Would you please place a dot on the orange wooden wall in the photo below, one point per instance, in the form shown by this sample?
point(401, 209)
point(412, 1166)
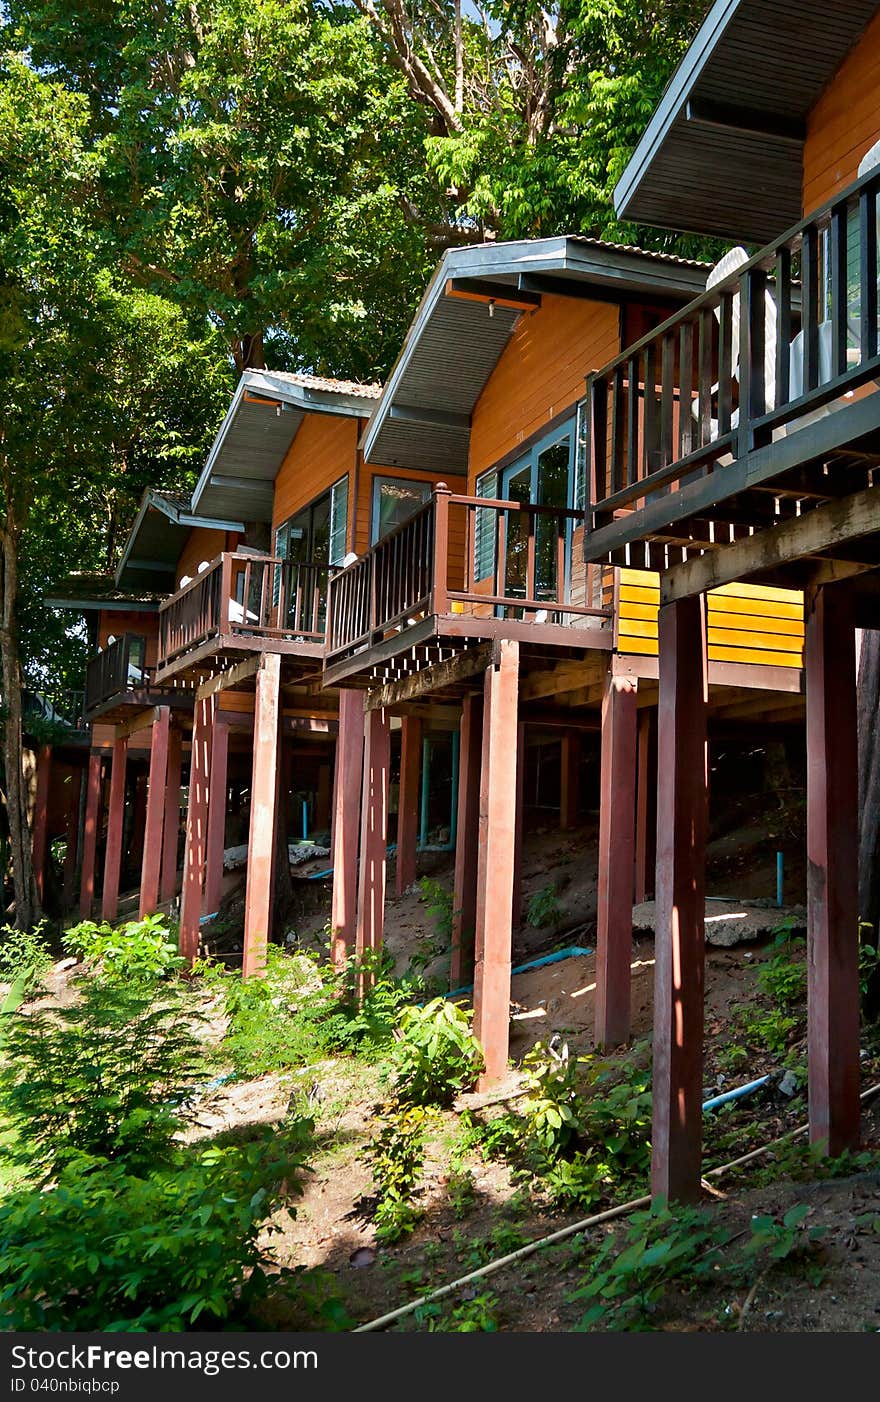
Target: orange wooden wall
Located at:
point(143, 625)
point(203, 543)
point(844, 122)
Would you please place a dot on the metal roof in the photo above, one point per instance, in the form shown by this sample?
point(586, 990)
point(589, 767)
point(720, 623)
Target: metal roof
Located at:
point(423, 417)
point(150, 555)
point(723, 152)
point(264, 416)
point(83, 592)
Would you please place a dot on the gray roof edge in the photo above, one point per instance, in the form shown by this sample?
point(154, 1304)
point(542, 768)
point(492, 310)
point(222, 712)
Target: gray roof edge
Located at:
point(559, 253)
point(691, 65)
point(154, 499)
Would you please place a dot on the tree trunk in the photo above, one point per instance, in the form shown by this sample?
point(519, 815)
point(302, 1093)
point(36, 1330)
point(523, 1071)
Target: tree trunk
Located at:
point(26, 910)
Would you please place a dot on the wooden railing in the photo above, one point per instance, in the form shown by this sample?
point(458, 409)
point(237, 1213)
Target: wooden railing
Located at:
point(515, 565)
point(246, 595)
point(788, 333)
point(119, 668)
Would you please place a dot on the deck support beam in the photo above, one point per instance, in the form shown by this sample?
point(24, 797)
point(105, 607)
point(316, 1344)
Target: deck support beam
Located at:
point(679, 972)
point(832, 871)
point(646, 805)
point(616, 858)
point(151, 864)
point(517, 901)
point(216, 815)
point(40, 840)
point(467, 839)
point(261, 835)
point(495, 868)
point(347, 779)
point(171, 820)
point(570, 773)
point(374, 834)
point(115, 820)
point(408, 803)
point(90, 836)
point(196, 829)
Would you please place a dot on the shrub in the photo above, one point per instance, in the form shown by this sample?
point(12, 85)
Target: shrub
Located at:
point(105, 1250)
point(436, 1054)
point(552, 1111)
point(141, 950)
point(97, 1078)
point(437, 900)
point(780, 977)
point(396, 1156)
point(544, 908)
point(24, 958)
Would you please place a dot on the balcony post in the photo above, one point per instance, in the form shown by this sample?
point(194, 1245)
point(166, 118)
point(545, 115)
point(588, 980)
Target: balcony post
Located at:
point(171, 821)
point(646, 805)
point(464, 895)
point(196, 825)
point(115, 819)
point(261, 835)
point(408, 803)
point(71, 853)
point(40, 839)
point(216, 815)
point(832, 871)
point(441, 548)
point(152, 853)
point(374, 836)
point(90, 835)
point(226, 593)
point(569, 798)
point(616, 858)
point(498, 787)
point(347, 778)
point(679, 970)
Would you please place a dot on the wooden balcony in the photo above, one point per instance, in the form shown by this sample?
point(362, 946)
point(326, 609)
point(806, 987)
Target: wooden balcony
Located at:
point(243, 603)
point(119, 679)
point(754, 405)
point(462, 570)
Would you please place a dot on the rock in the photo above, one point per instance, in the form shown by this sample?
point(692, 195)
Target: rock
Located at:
point(730, 923)
point(789, 1084)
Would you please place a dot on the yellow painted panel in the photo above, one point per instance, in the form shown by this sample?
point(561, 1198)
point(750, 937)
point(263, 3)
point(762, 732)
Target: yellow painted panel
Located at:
point(640, 596)
point(631, 610)
point(746, 638)
point(766, 608)
point(757, 622)
point(745, 654)
point(643, 645)
point(638, 627)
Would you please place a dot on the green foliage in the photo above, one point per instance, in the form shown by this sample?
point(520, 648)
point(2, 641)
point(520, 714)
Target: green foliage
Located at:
point(396, 1156)
point(544, 908)
point(436, 1055)
point(104, 1249)
point(102, 1078)
point(461, 1192)
point(476, 1315)
point(767, 1031)
point(783, 979)
point(139, 951)
point(437, 900)
point(24, 957)
point(552, 1110)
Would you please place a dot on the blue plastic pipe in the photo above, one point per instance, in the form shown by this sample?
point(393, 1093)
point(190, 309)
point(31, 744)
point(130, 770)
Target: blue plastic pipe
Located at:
point(570, 953)
point(426, 784)
point(780, 877)
point(729, 1095)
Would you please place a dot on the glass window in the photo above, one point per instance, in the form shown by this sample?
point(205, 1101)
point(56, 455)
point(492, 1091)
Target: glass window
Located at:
point(395, 499)
point(484, 529)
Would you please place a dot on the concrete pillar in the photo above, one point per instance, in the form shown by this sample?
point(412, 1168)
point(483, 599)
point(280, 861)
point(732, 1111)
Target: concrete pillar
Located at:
point(616, 856)
point(346, 823)
point(408, 803)
point(374, 833)
point(467, 841)
point(495, 870)
point(151, 864)
point(569, 780)
point(90, 836)
point(195, 844)
point(171, 819)
point(40, 838)
point(115, 820)
point(832, 871)
point(261, 837)
point(216, 816)
point(679, 971)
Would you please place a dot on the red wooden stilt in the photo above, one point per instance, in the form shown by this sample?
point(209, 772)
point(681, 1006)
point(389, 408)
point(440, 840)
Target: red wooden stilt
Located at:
point(40, 839)
point(646, 805)
point(516, 906)
point(72, 850)
point(374, 835)
point(408, 802)
point(464, 896)
point(832, 871)
point(115, 818)
point(616, 855)
point(346, 823)
point(138, 814)
point(216, 815)
point(171, 820)
point(570, 773)
point(261, 837)
point(497, 852)
point(90, 836)
point(196, 829)
point(152, 857)
point(680, 939)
